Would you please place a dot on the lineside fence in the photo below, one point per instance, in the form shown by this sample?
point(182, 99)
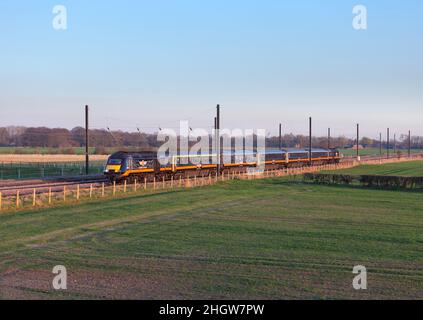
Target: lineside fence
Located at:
point(25, 198)
point(34, 170)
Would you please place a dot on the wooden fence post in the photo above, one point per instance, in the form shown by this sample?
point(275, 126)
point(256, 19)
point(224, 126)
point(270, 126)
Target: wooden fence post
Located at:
point(91, 191)
point(49, 195)
point(145, 183)
point(17, 199)
point(114, 188)
point(124, 186)
point(1, 204)
point(77, 192)
point(102, 190)
point(135, 185)
point(64, 194)
point(34, 198)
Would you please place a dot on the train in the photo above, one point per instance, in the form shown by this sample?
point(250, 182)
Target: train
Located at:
point(140, 165)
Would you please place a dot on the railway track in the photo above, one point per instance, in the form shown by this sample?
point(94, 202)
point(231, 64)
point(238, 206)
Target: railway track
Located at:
point(42, 186)
point(10, 187)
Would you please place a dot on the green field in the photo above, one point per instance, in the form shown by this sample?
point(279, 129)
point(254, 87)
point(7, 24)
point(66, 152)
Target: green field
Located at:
point(47, 169)
point(408, 169)
point(272, 239)
point(375, 152)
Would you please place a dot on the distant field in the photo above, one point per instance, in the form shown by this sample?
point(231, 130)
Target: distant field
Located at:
point(29, 150)
point(47, 158)
point(409, 169)
point(374, 152)
point(27, 166)
point(47, 169)
point(270, 239)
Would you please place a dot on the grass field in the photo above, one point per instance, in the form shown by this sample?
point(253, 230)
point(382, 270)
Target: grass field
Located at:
point(408, 169)
point(374, 152)
point(273, 238)
point(41, 170)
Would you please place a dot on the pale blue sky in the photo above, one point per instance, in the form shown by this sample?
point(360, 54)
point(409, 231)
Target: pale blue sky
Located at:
point(153, 63)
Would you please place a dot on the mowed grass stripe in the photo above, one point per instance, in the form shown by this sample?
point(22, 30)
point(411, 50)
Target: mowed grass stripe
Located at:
point(69, 221)
point(407, 169)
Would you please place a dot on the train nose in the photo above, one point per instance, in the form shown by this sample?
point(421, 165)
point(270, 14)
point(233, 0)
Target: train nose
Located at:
point(112, 169)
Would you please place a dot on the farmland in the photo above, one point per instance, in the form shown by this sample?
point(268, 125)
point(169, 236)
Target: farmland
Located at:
point(376, 152)
point(43, 150)
point(410, 169)
point(50, 158)
point(274, 238)
point(32, 170)
point(28, 166)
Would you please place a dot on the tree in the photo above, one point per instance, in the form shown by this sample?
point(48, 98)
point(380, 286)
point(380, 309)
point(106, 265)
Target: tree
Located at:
point(78, 136)
point(35, 137)
point(4, 137)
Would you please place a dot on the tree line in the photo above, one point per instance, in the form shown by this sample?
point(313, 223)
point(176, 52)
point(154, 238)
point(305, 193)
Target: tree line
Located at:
point(44, 137)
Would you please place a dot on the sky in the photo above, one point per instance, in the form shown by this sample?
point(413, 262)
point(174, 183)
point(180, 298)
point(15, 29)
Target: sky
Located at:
point(150, 64)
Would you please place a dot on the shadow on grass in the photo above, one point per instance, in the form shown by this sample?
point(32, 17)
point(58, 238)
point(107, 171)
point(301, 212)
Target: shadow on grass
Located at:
point(359, 187)
point(296, 181)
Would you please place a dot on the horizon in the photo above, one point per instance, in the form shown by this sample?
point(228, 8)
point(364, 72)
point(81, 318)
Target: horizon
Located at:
point(234, 133)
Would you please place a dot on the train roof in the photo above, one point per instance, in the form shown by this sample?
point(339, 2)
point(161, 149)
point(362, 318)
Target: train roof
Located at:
point(140, 154)
point(306, 150)
point(153, 154)
point(276, 151)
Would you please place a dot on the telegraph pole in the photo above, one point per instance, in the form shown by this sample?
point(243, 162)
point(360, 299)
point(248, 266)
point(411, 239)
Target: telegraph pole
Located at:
point(87, 157)
point(387, 143)
point(409, 143)
point(328, 138)
point(309, 141)
point(358, 140)
point(212, 147)
point(215, 133)
point(218, 151)
point(380, 145)
point(395, 144)
point(280, 136)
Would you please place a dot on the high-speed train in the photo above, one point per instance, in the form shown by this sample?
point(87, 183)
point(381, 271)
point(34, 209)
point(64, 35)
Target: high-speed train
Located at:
point(139, 165)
